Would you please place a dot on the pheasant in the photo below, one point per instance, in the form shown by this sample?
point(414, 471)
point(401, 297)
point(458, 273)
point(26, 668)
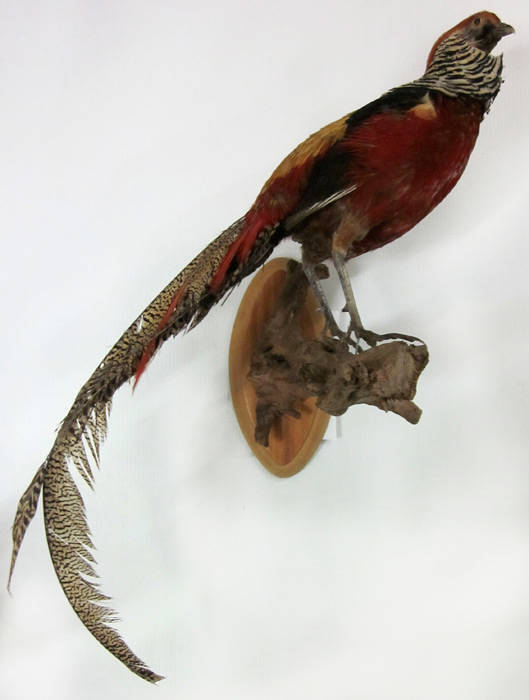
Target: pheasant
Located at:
point(355, 185)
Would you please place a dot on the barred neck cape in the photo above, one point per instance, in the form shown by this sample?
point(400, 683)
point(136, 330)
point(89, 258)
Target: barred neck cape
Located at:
point(459, 69)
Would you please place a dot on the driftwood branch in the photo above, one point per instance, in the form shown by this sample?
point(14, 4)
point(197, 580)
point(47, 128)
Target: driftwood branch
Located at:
point(287, 368)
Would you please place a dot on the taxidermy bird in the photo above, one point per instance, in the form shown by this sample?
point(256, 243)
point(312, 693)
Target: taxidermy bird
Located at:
point(355, 185)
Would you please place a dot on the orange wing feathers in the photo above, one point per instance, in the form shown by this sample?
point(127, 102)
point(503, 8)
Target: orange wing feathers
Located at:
point(280, 194)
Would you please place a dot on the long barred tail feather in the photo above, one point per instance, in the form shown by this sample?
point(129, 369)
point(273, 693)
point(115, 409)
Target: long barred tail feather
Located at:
point(182, 304)
point(24, 515)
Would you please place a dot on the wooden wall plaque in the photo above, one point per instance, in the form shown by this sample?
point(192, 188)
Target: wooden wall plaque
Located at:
point(292, 441)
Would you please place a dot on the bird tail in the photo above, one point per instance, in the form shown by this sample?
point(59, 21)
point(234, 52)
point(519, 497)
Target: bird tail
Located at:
point(230, 257)
point(184, 302)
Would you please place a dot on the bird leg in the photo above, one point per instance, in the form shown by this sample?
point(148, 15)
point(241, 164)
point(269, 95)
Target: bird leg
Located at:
point(355, 324)
point(330, 323)
point(347, 231)
point(314, 280)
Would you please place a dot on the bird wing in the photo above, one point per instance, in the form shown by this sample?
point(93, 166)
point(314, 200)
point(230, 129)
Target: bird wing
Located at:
point(330, 167)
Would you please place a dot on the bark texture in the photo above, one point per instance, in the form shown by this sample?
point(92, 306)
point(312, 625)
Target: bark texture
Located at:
point(287, 368)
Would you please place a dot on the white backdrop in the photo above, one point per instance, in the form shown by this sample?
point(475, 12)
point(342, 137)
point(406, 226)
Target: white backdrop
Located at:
point(396, 565)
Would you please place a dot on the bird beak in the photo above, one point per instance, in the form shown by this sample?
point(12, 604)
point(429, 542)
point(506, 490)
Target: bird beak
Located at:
point(502, 29)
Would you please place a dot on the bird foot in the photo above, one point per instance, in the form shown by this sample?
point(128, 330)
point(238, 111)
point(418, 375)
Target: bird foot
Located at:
point(373, 339)
point(353, 336)
point(332, 329)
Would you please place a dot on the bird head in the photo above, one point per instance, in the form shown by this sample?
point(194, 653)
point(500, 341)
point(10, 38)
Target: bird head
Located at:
point(481, 30)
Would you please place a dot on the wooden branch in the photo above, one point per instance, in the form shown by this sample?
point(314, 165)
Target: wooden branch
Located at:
point(287, 367)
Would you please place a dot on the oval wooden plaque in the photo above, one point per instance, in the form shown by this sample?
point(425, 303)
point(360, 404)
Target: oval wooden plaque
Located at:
point(292, 441)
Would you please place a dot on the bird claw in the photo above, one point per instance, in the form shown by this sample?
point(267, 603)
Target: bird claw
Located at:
point(369, 337)
point(332, 329)
point(372, 339)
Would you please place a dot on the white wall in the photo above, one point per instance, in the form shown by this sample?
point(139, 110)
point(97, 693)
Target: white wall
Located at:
point(397, 564)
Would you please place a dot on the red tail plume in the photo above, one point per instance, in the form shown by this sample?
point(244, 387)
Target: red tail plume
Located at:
point(241, 248)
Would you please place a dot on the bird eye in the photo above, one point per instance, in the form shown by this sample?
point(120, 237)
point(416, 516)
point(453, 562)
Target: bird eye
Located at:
point(477, 21)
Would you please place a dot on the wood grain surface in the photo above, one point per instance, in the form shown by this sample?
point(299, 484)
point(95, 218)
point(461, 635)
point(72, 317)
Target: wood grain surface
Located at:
point(292, 441)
